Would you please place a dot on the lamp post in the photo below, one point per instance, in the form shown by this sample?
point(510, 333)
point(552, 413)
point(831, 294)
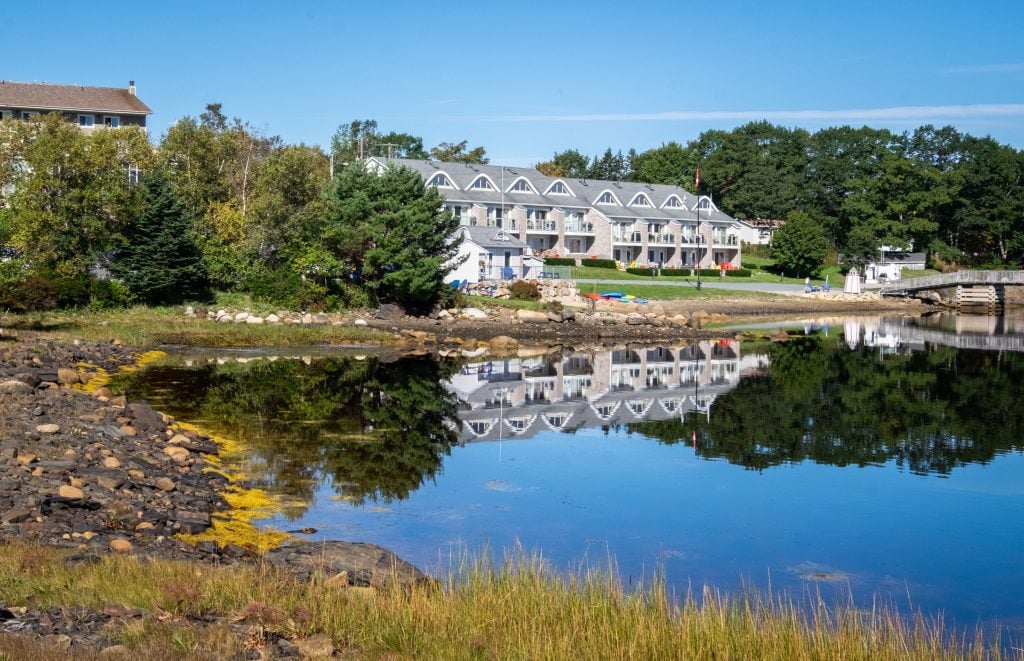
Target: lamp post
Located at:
point(696, 190)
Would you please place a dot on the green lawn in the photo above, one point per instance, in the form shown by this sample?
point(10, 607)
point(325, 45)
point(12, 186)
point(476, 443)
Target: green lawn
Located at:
point(666, 292)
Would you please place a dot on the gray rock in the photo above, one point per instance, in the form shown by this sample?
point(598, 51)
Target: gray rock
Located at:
point(474, 313)
point(15, 386)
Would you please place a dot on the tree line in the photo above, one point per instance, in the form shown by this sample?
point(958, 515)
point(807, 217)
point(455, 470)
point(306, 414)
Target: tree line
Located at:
point(105, 218)
point(957, 197)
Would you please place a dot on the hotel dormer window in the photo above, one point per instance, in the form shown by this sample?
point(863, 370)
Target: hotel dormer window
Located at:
point(440, 181)
point(558, 188)
point(522, 186)
point(606, 198)
point(481, 183)
point(673, 202)
point(640, 200)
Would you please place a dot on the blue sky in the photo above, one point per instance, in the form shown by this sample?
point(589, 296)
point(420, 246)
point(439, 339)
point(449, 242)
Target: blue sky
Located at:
point(526, 79)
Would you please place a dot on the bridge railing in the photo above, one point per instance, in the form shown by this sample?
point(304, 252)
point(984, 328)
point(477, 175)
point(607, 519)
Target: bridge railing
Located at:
point(955, 278)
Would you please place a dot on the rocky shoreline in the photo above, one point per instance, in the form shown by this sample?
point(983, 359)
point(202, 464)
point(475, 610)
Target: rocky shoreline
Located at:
point(85, 470)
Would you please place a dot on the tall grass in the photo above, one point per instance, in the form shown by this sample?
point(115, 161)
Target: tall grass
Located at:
point(516, 609)
point(145, 327)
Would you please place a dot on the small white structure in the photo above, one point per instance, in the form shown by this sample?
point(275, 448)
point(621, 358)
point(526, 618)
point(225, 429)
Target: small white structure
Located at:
point(758, 231)
point(852, 285)
point(491, 253)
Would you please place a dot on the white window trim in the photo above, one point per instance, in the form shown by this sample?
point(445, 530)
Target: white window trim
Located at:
point(675, 197)
point(447, 178)
point(704, 199)
point(472, 185)
point(529, 186)
point(615, 199)
point(633, 202)
point(559, 181)
point(115, 121)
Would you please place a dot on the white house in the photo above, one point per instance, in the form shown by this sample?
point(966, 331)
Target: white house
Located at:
point(758, 231)
point(491, 253)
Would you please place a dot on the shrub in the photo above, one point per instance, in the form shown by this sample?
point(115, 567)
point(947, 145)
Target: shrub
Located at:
point(738, 273)
point(647, 272)
point(676, 273)
point(559, 261)
point(554, 306)
point(749, 265)
point(600, 263)
point(521, 290)
point(710, 273)
point(109, 294)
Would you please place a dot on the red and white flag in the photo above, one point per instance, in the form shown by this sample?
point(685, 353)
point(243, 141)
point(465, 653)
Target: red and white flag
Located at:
point(696, 179)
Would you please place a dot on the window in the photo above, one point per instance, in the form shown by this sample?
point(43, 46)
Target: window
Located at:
point(704, 203)
point(6, 114)
point(481, 183)
point(456, 211)
point(673, 202)
point(134, 174)
point(494, 216)
point(522, 186)
point(536, 214)
point(640, 200)
point(86, 120)
point(440, 181)
point(558, 188)
point(113, 121)
point(27, 115)
point(606, 198)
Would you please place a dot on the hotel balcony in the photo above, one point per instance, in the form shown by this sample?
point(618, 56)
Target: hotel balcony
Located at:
point(627, 237)
point(503, 223)
point(727, 240)
point(692, 240)
point(579, 227)
point(549, 226)
point(661, 239)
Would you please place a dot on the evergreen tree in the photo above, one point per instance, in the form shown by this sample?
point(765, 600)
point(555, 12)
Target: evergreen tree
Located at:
point(160, 262)
point(800, 245)
point(391, 233)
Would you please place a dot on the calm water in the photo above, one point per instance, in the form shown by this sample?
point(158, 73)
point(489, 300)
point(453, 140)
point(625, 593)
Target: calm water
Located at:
point(870, 457)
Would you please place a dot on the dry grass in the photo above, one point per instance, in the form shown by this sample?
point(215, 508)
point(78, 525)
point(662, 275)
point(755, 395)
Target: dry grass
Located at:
point(519, 609)
point(143, 327)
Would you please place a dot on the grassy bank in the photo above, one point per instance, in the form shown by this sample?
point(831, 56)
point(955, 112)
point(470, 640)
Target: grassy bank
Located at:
point(516, 610)
point(671, 292)
point(143, 327)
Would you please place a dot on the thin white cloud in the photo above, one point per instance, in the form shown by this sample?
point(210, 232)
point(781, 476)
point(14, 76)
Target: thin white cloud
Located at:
point(1012, 67)
point(903, 113)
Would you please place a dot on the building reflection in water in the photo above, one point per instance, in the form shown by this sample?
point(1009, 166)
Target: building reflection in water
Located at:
point(519, 397)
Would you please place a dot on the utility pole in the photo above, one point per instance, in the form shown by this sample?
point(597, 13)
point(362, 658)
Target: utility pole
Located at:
point(696, 189)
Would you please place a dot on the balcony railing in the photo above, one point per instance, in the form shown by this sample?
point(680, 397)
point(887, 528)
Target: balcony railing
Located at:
point(541, 226)
point(503, 223)
point(627, 237)
point(693, 240)
point(661, 239)
point(726, 240)
point(579, 227)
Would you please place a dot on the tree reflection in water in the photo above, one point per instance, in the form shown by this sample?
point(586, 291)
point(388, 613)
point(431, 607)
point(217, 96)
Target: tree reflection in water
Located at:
point(930, 411)
point(377, 429)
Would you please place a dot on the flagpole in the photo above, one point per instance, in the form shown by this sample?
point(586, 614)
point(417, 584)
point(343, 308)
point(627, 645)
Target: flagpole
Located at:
point(696, 190)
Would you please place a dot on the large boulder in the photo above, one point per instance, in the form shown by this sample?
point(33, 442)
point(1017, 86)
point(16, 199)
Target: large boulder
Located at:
point(503, 344)
point(532, 316)
point(474, 313)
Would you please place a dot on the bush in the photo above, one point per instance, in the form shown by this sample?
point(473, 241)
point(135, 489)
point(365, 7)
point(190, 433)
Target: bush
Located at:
point(521, 290)
point(749, 265)
point(600, 263)
point(710, 273)
point(286, 288)
point(559, 261)
point(676, 273)
point(738, 273)
point(646, 272)
point(109, 294)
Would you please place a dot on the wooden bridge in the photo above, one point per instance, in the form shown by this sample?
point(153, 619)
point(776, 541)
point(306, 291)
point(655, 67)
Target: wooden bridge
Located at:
point(985, 289)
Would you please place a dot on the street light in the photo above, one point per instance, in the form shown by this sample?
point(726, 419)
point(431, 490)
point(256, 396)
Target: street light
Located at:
point(696, 190)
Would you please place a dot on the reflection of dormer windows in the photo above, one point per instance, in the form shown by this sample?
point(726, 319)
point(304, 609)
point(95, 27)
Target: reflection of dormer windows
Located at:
point(640, 200)
point(521, 186)
point(481, 183)
point(607, 198)
point(440, 181)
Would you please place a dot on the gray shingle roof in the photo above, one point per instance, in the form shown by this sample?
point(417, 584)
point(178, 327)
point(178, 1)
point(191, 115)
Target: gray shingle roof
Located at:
point(44, 96)
point(586, 192)
point(492, 237)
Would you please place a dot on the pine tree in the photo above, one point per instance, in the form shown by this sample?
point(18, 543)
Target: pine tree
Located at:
point(160, 262)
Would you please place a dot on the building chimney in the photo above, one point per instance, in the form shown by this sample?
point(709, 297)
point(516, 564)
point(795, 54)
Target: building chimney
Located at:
point(131, 87)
